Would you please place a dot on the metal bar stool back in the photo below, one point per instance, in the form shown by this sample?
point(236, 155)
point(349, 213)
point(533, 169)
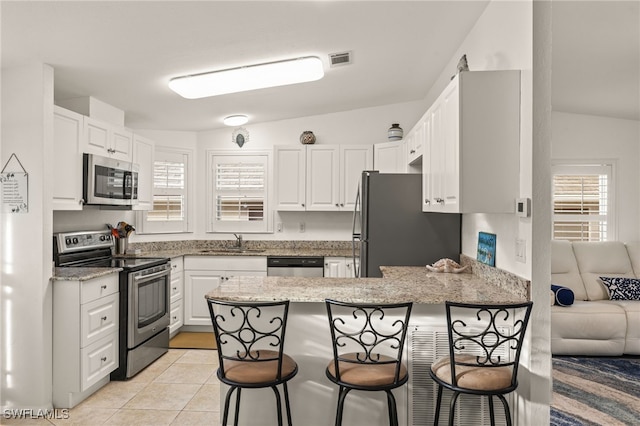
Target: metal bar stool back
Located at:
point(485, 342)
point(250, 339)
point(368, 343)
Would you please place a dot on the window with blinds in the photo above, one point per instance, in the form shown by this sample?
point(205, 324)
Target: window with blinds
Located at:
point(170, 192)
point(169, 186)
point(582, 202)
point(238, 192)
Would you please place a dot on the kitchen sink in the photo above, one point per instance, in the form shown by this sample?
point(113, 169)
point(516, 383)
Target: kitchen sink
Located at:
point(232, 250)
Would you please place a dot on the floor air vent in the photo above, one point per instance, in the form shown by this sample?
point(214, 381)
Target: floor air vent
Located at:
point(338, 59)
point(425, 345)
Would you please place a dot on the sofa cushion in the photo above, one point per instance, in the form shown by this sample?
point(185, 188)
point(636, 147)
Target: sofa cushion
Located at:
point(622, 288)
point(564, 268)
point(596, 259)
point(562, 296)
point(588, 328)
point(632, 311)
point(633, 249)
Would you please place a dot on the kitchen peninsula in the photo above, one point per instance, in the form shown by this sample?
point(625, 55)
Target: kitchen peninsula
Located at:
point(313, 396)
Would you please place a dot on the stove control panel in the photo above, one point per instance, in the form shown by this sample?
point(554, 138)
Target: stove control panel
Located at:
point(76, 241)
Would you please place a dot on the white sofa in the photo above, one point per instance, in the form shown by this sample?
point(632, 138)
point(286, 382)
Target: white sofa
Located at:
point(593, 324)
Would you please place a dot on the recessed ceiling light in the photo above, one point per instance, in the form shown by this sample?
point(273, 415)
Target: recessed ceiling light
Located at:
point(241, 79)
point(235, 120)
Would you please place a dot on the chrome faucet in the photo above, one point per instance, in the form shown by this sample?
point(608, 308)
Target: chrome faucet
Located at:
point(238, 240)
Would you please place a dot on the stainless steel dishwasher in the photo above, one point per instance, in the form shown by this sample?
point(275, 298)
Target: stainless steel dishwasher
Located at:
point(295, 266)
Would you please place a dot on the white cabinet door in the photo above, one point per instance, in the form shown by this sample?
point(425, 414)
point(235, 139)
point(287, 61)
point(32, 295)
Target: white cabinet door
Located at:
point(353, 160)
point(390, 157)
point(290, 179)
point(473, 161)
point(176, 318)
point(107, 140)
point(352, 268)
point(196, 285)
point(143, 156)
point(67, 159)
point(323, 178)
point(334, 267)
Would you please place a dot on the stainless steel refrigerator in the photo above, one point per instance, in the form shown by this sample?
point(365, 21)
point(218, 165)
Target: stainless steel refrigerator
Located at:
point(390, 228)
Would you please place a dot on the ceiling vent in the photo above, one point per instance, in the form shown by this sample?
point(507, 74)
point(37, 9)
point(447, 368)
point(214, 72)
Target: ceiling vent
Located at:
point(339, 59)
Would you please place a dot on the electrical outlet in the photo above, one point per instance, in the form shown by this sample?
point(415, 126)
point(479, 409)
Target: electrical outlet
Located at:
point(279, 227)
point(301, 227)
point(521, 250)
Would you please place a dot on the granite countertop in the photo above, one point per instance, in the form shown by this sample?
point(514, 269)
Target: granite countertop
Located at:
point(254, 248)
point(398, 284)
point(82, 274)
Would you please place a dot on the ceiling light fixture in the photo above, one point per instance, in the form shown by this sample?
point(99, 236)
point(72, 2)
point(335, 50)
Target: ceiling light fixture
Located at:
point(235, 120)
point(280, 73)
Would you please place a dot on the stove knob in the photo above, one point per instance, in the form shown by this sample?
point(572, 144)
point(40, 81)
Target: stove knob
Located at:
point(75, 241)
point(102, 238)
point(67, 241)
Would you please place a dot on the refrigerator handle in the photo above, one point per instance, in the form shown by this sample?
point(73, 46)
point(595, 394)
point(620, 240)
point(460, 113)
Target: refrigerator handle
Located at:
point(356, 235)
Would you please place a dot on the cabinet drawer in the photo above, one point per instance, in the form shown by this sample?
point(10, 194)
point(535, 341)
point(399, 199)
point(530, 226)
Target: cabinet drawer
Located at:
point(176, 316)
point(226, 263)
point(177, 264)
point(99, 287)
point(177, 286)
point(99, 318)
point(99, 359)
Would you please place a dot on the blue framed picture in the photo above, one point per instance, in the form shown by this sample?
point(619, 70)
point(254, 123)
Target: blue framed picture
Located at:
point(487, 248)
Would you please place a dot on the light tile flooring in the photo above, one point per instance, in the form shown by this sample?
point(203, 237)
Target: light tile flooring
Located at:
point(180, 388)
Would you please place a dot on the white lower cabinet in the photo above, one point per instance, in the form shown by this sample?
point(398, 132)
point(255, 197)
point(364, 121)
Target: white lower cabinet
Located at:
point(85, 337)
point(334, 267)
point(205, 273)
point(176, 296)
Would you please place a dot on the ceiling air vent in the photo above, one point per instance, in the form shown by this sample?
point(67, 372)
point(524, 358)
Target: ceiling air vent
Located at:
point(339, 59)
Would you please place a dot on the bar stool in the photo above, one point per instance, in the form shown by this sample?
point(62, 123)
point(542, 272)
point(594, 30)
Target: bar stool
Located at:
point(485, 342)
point(250, 339)
point(368, 341)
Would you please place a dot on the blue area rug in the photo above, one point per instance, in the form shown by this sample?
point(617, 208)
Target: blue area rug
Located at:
point(595, 391)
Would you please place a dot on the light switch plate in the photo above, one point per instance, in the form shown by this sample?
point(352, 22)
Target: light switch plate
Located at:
point(521, 250)
point(523, 207)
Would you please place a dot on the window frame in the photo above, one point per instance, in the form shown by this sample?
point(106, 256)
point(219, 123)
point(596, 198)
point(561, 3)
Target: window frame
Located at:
point(172, 226)
point(601, 166)
point(248, 227)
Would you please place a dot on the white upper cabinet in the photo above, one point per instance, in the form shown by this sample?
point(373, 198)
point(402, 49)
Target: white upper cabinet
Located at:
point(473, 138)
point(108, 140)
point(320, 177)
point(143, 156)
point(291, 172)
point(390, 157)
point(67, 159)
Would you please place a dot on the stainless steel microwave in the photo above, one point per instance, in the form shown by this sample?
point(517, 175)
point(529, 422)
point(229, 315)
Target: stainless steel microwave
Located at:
point(109, 182)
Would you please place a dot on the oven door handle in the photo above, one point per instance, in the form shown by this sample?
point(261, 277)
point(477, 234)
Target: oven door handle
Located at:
point(142, 278)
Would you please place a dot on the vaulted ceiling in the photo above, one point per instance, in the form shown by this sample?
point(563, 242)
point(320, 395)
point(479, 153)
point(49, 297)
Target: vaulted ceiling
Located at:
point(124, 53)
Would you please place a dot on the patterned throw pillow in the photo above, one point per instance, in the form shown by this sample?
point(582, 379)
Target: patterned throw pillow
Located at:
point(622, 288)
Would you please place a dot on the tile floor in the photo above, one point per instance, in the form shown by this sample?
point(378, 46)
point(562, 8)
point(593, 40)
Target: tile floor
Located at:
point(180, 388)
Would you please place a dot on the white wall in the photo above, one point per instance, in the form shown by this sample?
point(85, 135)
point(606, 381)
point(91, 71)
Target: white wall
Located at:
point(26, 292)
point(579, 137)
point(503, 38)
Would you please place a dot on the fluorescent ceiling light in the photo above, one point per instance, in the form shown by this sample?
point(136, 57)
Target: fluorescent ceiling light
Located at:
point(235, 120)
point(252, 77)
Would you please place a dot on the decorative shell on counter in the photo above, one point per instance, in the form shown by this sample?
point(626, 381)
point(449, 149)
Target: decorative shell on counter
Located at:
point(447, 265)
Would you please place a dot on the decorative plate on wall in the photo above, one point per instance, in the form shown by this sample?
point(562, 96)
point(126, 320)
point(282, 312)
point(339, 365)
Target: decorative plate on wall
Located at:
point(240, 136)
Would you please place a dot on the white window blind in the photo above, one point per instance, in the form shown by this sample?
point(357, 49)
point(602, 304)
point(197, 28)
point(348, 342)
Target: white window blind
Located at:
point(582, 202)
point(170, 192)
point(169, 186)
point(239, 193)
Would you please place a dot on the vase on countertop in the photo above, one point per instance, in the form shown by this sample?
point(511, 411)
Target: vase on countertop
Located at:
point(307, 137)
point(395, 132)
